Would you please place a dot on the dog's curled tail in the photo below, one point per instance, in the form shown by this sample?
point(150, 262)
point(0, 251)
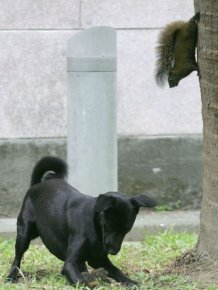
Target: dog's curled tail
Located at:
point(48, 167)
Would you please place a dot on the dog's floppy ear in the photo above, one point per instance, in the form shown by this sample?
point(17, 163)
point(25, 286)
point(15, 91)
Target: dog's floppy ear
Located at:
point(104, 202)
point(143, 200)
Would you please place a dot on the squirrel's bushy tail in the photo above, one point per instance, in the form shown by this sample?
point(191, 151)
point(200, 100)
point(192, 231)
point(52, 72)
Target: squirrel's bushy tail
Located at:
point(165, 51)
point(48, 167)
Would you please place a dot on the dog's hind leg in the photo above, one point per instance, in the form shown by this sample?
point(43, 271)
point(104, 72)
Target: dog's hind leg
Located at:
point(25, 233)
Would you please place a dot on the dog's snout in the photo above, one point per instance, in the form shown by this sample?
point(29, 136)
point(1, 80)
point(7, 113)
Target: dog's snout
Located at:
point(112, 250)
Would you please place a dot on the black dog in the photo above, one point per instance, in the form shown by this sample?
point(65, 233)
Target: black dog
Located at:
point(76, 228)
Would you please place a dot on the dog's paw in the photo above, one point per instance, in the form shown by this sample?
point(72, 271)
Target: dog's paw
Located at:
point(131, 284)
point(13, 275)
point(11, 280)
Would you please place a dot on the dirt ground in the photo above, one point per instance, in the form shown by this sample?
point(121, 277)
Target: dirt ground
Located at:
point(197, 267)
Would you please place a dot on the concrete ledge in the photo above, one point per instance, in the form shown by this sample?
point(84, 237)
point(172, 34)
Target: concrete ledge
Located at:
point(17, 160)
point(169, 168)
point(8, 227)
point(147, 222)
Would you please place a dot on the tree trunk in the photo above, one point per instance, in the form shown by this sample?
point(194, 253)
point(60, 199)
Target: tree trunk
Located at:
point(208, 64)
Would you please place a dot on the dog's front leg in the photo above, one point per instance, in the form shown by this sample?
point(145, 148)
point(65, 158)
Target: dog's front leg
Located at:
point(72, 273)
point(113, 271)
point(73, 265)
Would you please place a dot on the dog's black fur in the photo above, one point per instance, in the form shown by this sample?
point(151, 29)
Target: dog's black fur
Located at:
point(76, 228)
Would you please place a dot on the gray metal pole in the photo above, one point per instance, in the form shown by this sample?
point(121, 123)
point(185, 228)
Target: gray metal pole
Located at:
point(92, 137)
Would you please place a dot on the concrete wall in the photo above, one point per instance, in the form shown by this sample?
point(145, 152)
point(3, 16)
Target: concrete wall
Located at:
point(33, 39)
point(33, 96)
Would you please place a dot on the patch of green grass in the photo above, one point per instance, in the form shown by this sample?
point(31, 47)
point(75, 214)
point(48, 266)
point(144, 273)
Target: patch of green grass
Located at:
point(168, 207)
point(141, 260)
point(164, 207)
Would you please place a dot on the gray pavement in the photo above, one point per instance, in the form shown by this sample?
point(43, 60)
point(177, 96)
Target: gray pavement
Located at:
point(153, 222)
point(146, 222)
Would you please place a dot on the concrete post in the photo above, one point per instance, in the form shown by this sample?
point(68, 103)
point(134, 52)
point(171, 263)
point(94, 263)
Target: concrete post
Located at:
point(92, 138)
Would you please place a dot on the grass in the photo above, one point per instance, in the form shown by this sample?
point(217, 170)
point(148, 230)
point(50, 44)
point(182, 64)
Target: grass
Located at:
point(142, 261)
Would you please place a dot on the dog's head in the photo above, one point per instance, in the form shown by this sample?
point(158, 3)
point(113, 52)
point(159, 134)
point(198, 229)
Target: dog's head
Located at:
point(117, 214)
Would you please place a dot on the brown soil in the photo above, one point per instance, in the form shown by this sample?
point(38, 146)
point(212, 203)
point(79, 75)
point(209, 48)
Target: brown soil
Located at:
point(197, 267)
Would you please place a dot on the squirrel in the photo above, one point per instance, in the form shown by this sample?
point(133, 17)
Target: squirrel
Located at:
point(176, 51)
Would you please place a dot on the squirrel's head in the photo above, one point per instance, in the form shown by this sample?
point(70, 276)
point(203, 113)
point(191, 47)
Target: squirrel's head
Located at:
point(173, 79)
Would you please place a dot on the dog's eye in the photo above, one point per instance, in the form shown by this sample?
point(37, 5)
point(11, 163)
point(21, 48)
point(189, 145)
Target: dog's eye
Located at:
point(109, 211)
point(136, 209)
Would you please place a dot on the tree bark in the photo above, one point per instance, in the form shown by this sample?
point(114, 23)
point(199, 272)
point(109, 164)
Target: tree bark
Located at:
point(208, 65)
